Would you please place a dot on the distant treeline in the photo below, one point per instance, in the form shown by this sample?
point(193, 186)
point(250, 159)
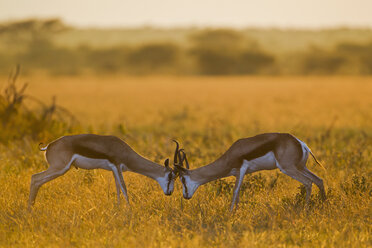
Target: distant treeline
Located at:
point(32, 44)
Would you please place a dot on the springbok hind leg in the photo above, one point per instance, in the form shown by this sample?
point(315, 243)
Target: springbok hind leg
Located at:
point(297, 175)
point(317, 180)
point(37, 180)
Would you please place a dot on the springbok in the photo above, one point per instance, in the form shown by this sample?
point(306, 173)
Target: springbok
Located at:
point(262, 152)
point(90, 151)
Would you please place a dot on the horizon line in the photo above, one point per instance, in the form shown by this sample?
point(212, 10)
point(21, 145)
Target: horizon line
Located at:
point(191, 25)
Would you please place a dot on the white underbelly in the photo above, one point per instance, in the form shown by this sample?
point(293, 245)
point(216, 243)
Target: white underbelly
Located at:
point(91, 163)
point(266, 162)
point(94, 163)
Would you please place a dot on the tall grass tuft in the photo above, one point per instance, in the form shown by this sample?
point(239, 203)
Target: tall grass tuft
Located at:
point(24, 116)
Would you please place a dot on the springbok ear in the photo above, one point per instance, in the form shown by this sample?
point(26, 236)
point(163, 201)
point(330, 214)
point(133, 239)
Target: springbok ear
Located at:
point(166, 163)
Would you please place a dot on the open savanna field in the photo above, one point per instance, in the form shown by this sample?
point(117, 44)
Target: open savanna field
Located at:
point(333, 115)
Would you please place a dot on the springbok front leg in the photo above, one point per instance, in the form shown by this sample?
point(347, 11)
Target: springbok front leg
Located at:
point(117, 188)
point(119, 181)
point(238, 184)
point(124, 186)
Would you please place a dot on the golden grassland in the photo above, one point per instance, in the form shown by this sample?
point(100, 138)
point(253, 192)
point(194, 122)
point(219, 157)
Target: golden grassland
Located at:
point(333, 115)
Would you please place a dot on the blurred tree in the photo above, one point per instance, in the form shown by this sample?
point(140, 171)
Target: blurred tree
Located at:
point(252, 62)
point(211, 52)
point(29, 42)
point(359, 55)
point(152, 57)
point(214, 62)
point(318, 61)
point(20, 33)
point(224, 51)
point(216, 51)
point(218, 39)
point(41, 54)
point(106, 60)
point(33, 26)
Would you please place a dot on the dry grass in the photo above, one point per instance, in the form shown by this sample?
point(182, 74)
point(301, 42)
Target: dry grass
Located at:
point(332, 115)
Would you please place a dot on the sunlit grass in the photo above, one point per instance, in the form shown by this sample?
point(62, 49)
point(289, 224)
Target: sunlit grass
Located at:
point(332, 115)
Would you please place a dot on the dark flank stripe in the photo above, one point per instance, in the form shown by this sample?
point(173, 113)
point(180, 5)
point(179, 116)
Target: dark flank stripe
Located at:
point(89, 153)
point(260, 150)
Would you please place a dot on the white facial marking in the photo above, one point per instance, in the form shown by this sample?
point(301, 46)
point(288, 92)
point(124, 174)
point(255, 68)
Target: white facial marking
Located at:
point(164, 181)
point(190, 185)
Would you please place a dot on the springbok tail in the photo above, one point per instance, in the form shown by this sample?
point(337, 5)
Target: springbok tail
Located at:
point(42, 148)
point(316, 160)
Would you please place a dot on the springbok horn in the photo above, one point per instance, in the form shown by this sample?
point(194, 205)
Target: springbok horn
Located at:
point(180, 158)
point(184, 158)
point(175, 161)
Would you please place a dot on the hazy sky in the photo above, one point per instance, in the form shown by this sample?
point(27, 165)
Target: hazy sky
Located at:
point(236, 13)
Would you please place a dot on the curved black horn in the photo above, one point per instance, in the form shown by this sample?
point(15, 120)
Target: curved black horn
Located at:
point(175, 161)
point(181, 157)
point(184, 158)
